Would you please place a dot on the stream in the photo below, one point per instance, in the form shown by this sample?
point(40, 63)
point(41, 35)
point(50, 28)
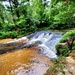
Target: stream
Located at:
point(29, 55)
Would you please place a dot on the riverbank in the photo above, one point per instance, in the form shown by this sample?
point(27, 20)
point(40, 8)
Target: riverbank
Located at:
point(26, 59)
point(64, 66)
point(24, 62)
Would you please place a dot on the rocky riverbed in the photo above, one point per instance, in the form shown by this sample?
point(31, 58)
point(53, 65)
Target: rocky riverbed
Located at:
point(26, 61)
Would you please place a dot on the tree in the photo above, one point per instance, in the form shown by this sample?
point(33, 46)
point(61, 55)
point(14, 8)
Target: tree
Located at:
point(2, 12)
point(70, 42)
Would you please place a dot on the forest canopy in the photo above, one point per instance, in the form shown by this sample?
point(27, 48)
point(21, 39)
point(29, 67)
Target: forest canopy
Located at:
point(21, 17)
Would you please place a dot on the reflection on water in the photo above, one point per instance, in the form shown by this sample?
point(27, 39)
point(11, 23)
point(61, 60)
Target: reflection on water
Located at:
point(24, 62)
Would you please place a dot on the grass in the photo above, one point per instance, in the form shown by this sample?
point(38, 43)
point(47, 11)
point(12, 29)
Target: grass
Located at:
point(58, 66)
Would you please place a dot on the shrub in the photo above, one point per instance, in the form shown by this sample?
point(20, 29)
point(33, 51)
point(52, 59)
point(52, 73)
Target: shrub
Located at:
point(2, 34)
point(65, 37)
point(9, 27)
point(62, 15)
point(14, 34)
point(73, 46)
point(62, 51)
point(58, 46)
point(69, 46)
point(9, 34)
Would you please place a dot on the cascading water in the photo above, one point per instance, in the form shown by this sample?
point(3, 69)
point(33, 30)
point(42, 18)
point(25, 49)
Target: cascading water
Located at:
point(46, 41)
point(25, 60)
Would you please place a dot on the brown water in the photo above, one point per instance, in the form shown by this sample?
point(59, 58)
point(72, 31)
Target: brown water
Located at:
point(5, 40)
point(24, 62)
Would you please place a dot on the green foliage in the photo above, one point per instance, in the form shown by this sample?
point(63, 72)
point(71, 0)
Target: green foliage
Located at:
point(58, 66)
point(9, 34)
point(69, 34)
point(8, 27)
point(13, 34)
point(62, 51)
point(58, 46)
point(62, 15)
point(2, 35)
point(73, 46)
point(26, 16)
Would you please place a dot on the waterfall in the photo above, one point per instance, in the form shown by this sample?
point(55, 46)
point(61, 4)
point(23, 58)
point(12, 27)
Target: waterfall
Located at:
point(46, 41)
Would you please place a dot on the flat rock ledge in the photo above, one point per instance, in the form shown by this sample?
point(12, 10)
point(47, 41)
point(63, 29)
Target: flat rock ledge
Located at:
point(14, 45)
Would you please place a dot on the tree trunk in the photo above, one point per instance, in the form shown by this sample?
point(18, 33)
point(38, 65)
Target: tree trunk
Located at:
point(70, 43)
point(16, 3)
point(11, 9)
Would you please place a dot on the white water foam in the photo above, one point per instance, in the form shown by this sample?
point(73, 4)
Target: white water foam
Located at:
point(46, 41)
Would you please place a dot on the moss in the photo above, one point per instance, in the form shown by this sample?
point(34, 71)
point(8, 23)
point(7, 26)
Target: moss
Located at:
point(62, 51)
point(65, 50)
point(58, 66)
point(58, 46)
point(65, 37)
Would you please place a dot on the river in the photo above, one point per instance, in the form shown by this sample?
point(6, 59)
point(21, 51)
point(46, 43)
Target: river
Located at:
point(35, 59)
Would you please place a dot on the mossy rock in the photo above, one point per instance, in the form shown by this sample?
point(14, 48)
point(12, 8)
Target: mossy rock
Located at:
point(64, 50)
point(70, 34)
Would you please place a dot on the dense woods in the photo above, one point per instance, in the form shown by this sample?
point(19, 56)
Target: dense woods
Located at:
point(21, 17)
